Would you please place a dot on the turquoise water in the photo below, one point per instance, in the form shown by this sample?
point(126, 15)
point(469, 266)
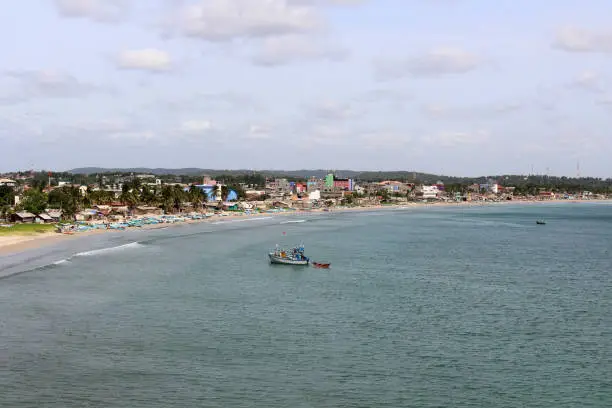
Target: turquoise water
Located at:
point(459, 307)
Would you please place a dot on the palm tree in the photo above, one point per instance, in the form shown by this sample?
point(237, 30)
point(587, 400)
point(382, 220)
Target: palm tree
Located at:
point(196, 196)
point(224, 192)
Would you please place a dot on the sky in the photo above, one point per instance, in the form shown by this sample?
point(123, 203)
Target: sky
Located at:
point(454, 87)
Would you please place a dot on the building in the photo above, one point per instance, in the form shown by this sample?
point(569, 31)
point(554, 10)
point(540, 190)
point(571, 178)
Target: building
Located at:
point(300, 188)
point(56, 215)
point(44, 218)
point(343, 184)
point(546, 195)
point(314, 195)
point(7, 182)
point(208, 181)
point(427, 192)
point(394, 187)
point(278, 187)
point(22, 217)
point(329, 181)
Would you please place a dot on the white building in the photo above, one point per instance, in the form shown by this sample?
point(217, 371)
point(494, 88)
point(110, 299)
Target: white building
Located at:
point(7, 182)
point(315, 195)
point(428, 192)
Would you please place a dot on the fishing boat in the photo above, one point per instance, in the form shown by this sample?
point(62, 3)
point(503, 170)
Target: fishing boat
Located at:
point(292, 256)
point(541, 222)
point(320, 265)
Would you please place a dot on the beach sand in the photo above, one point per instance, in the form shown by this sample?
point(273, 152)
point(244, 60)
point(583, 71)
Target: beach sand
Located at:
point(11, 244)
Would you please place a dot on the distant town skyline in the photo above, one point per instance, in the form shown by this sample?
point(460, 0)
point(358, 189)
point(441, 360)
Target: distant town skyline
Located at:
point(452, 87)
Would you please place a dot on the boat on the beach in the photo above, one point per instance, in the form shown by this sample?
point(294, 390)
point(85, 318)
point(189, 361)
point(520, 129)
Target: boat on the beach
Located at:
point(291, 256)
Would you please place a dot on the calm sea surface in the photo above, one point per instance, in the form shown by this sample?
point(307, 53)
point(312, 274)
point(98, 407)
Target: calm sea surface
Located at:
point(459, 307)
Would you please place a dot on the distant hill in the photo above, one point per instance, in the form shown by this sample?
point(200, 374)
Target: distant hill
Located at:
point(193, 171)
point(407, 176)
point(301, 174)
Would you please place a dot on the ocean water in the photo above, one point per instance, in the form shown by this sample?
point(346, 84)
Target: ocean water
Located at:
point(449, 307)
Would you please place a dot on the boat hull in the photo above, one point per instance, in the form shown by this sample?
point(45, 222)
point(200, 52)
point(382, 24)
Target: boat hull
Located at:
point(320, 265)
point(286, 261)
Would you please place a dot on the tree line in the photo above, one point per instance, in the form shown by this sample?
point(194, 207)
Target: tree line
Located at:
point(71, 200)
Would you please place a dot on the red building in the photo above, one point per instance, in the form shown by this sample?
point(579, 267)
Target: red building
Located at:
point(343, 184)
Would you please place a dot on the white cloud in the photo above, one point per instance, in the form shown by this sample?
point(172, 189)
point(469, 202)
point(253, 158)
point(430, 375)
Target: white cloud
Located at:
point(439, 61)
point(134, 135)
point(148, 59)
point(385, 139)
point(113, 126)
point(329, 110)
point(29, 85)
point(473, 112)
point(457, 139)
point(290, 48)
point(574, 39)
point(259, 132)
point(97, 10)
point(327, 2)
point(197, 125)
point(589, 81)
point(222, 20)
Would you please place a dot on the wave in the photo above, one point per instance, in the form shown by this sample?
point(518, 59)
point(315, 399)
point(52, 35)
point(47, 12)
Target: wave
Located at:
point(109, 249)
point(241, 220)
point(293, 222)
point(63, 261)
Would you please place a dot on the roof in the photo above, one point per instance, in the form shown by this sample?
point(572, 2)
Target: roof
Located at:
point(5, 180)
point(25, 214)
point(45, 217)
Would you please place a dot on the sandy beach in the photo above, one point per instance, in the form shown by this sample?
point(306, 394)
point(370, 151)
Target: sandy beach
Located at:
point(10, 244)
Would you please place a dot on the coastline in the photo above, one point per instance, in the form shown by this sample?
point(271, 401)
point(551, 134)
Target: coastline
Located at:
point(12, 244)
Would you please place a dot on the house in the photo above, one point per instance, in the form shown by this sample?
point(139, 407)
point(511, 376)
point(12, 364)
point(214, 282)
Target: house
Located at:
point(7, 182)
point(44, 218)
point(55, 214)
point(547, 195)
point(427, 192)
point(22, 217)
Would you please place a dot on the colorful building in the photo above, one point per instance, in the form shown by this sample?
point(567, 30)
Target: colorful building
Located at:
point(343, 184)
point(329, 181)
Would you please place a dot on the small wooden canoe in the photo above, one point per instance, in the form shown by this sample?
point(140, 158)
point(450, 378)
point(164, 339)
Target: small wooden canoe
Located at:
point(320, 265)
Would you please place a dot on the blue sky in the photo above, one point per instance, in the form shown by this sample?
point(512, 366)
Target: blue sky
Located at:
point(460, 87)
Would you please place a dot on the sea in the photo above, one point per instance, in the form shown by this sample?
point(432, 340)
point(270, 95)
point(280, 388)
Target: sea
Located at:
point(422, 307)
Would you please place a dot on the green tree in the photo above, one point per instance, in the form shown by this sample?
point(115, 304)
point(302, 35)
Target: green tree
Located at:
point(224, 192)
point(68, 199)
point(7, 195)
point(34, 201)
point(196, 197)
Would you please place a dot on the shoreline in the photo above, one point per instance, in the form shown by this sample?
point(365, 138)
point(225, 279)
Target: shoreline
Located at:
point(13, 244)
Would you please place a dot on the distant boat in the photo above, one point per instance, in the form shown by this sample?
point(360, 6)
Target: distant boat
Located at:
point(292, 256)
point(541, 222)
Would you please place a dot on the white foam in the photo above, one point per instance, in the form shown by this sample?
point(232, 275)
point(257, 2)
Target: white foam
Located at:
point(63, 261)
point(293, 222)
point(241, 220)
point(131, 245)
